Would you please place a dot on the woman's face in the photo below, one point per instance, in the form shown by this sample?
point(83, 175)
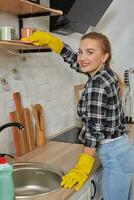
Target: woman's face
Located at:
point(91, 56)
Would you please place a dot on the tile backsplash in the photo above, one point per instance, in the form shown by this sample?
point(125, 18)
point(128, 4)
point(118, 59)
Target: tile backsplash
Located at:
point(43, 78)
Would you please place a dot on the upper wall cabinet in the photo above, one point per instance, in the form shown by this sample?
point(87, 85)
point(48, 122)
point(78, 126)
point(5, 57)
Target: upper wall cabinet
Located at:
point(25, 9)
point(22, 7)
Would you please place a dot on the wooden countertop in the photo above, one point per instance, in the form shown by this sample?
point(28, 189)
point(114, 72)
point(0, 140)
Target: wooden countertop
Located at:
point(130, 128)
point(60, 154)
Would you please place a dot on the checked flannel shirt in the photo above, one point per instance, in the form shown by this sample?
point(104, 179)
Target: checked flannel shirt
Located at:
point(99, 107)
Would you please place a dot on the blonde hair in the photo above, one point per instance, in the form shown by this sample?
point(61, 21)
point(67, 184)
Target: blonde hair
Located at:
point(106, 48)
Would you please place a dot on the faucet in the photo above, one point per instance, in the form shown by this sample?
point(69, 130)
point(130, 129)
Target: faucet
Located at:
point(6, 154)
point(19, 125)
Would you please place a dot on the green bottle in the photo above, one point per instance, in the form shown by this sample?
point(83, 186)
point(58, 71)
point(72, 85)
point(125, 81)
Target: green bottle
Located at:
point(6, 180)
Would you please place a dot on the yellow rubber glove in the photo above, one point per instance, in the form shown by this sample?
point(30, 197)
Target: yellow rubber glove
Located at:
point(39, 38)
point(79, 174)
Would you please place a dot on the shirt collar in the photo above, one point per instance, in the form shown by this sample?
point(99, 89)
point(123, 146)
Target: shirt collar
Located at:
point(98, 72)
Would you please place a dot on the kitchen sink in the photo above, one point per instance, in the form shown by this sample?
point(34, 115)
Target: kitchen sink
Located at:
point(32, 180)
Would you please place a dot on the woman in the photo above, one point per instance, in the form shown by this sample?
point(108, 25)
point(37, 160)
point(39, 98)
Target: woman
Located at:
point(101, 112)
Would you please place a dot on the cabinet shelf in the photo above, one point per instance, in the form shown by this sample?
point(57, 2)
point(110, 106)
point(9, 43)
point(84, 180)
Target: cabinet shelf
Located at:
point(23, 7)
point(22, 47)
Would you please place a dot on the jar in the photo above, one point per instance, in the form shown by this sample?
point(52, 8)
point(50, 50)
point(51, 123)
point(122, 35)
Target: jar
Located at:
point(26, 32)
point(7, 33)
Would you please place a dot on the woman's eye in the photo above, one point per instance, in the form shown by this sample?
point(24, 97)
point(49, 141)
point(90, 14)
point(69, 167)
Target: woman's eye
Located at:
point(79, 52)
point(89, 52)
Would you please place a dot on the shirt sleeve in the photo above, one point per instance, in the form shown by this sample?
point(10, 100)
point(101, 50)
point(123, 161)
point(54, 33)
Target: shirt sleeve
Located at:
point(70, 57)
point(95, 120)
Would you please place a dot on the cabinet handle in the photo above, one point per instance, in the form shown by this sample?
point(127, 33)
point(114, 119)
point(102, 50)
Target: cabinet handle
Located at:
point(94, 186)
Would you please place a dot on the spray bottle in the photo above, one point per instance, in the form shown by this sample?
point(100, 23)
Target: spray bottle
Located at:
point(6, 180)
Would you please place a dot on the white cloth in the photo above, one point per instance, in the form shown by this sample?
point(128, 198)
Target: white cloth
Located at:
point(109, 140)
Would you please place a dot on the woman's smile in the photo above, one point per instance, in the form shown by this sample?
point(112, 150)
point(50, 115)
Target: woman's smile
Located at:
point(84, 64)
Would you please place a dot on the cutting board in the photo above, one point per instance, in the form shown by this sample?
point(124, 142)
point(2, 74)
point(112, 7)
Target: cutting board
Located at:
point(39, 125)
point(15, 134)
point(19, 117)
point(29, 129)
point(40, 137)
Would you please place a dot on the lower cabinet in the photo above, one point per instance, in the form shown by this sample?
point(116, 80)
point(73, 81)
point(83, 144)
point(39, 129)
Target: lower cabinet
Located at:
point(91, 190)
point(83, 193)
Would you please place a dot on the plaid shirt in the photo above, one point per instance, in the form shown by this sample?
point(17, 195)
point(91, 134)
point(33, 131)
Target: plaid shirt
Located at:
point(99, 107)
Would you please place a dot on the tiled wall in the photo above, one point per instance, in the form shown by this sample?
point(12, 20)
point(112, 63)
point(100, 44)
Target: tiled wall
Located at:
point(44, 79)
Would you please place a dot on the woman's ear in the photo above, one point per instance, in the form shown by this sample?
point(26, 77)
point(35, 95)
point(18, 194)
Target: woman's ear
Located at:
point(105, 57)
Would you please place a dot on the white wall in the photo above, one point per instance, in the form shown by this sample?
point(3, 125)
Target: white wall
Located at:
point(117, 24)
point(46, 79)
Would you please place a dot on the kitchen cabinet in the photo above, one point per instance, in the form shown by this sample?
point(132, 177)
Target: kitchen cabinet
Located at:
point(83, 193)
point(25, 9)
point(92, 189)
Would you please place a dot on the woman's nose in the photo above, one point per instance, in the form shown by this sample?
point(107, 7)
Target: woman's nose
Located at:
point(83, 56)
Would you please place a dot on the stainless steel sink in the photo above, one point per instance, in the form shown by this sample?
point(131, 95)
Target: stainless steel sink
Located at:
point(35, 179)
